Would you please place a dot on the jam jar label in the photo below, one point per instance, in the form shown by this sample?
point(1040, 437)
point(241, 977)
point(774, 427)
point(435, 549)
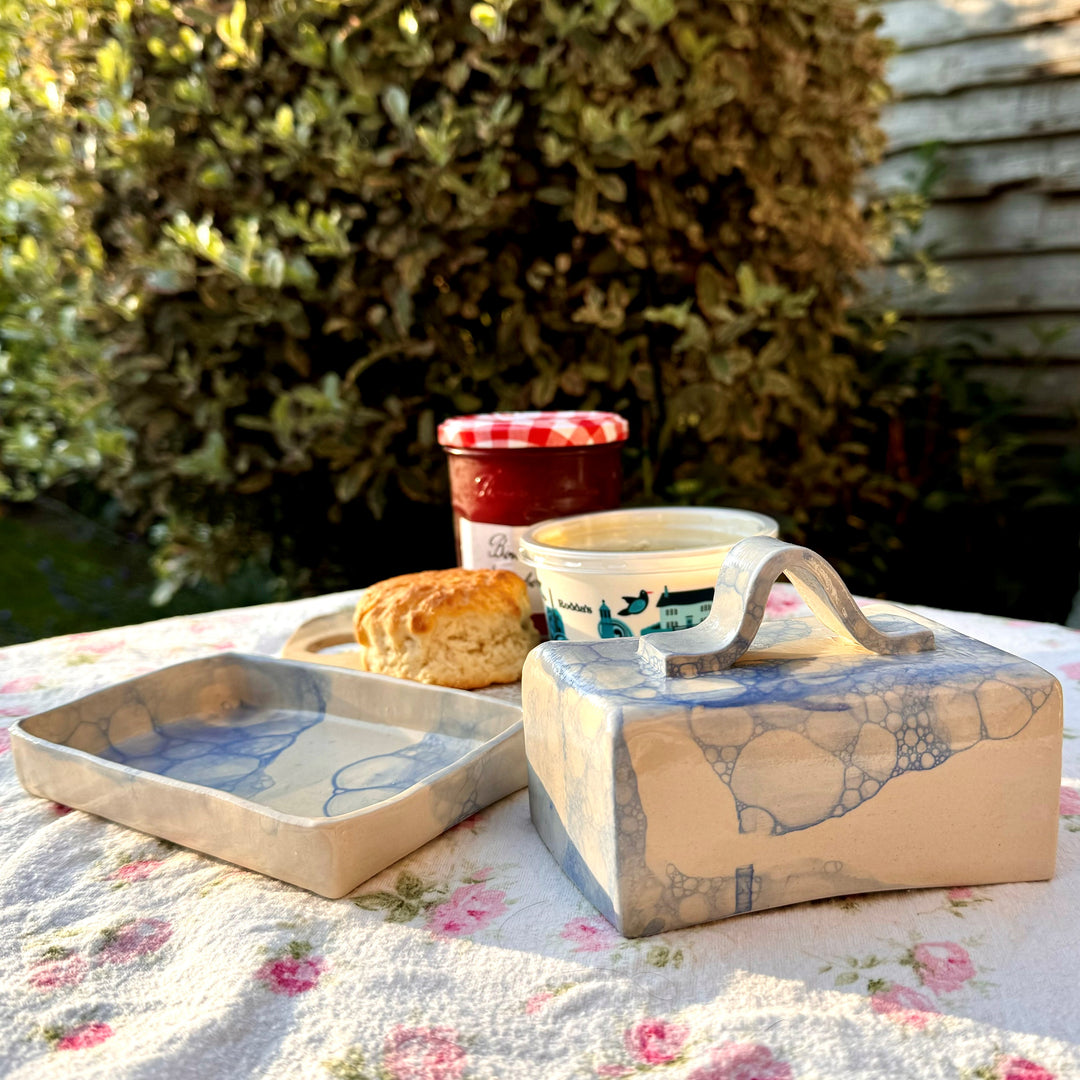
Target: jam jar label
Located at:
point(485, 546)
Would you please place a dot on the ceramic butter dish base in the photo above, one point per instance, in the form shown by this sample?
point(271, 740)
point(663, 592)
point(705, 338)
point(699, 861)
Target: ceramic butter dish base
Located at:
point(314, 775)
point(802, 767)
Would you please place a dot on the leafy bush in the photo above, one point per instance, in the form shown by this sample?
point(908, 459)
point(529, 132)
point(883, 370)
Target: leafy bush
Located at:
point(55, 418)
point(318, 227)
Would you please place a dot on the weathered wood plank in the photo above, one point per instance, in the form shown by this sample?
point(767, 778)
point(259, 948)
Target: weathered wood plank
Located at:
point(995, 285)
point(1038, 53)
point(914, 24)
point(1014, 222)
point(1043, 164)
point(984, 114)
point(1012, 338)
point(1041, 391)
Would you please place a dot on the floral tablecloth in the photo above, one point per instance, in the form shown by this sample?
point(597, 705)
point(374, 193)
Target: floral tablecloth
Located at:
point(123, 957)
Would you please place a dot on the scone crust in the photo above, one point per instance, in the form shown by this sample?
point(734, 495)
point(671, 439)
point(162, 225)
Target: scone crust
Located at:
point(408, 625)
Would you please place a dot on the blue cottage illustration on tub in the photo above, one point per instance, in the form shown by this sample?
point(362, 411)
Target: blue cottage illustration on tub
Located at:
point(679, 610)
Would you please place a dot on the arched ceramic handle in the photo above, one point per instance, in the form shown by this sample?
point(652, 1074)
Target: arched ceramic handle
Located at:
point(747, 575)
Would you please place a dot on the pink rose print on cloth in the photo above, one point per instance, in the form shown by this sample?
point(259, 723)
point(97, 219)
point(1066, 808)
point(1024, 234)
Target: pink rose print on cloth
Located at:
point(1015, 1068)
point(5, 740)
point(1069, 802)
point(470, 824)
point(1071, 670)
point(742, 1061)
point(135, 871)
point(960, 898)
point(134, 939)
point(537, 1001)
point(22, 685)
point(904, 1005)
point(56, 970)
point(470, 908)
point(590, 935)
point(423, 1053)
point(293, 971)
point(79, 1038)
point(654, 1042)
point(942, 966)
point(649, 1042)
point(96, 648)
point(783, 603)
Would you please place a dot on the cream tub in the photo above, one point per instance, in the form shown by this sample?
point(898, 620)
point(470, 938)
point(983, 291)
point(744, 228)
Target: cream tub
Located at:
point(626, 573)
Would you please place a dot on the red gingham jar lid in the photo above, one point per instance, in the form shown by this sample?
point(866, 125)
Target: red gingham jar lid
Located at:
point(528, 430)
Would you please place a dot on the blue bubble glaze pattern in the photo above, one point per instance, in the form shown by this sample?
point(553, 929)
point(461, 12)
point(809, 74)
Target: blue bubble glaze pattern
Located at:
point(254, 760)
point(237, 749)
point(381, 776)
point(860, 720)
point(232, 757)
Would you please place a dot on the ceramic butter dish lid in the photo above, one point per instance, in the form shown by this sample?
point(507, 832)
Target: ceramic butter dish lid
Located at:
point(743, 764)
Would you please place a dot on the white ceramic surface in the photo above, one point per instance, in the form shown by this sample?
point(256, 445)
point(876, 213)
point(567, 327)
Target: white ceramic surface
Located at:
point(630, 573)
point(314, 775)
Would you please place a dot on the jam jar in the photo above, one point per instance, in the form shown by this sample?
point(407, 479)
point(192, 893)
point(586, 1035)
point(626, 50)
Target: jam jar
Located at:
point(510, 470)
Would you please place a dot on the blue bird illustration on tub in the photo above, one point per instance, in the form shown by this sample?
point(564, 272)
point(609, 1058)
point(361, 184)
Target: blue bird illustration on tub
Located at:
point(635, 605)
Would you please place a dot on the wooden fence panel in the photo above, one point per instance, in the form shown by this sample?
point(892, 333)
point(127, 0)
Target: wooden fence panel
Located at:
point(915, 24)
point(1042, 53)
point(1020, 221)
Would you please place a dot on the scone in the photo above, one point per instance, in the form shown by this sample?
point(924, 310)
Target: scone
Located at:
point(461, 628)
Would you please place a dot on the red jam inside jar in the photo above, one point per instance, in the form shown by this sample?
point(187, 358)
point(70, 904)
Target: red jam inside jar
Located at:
point(511, 470)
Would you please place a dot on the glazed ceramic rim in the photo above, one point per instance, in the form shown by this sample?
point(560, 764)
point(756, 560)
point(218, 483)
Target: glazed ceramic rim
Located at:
point(40, 744)
point(541, 556)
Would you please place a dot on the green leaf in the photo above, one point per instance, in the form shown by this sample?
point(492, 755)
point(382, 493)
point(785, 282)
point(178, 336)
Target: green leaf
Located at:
point(677, 315)
point(377, 901)
point(237, 18)
point(350, 1067)
point(350, 483)
point(658, 12)
point(396, 103)
point(284, 122)
point(403, 912)
point(409, 885)
point(711, 293)
point(555, 196)
point(846, 978)
point(209, 463)
point(230, 28)
point(273, 268)
point(658, 956)
point(488, 21)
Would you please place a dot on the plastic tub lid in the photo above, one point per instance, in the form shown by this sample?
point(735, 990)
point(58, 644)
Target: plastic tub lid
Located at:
point(530, 430)
point(650, 540)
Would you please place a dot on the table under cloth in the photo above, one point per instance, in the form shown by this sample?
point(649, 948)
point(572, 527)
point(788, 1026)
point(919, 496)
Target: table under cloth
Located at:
point(474, 957)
